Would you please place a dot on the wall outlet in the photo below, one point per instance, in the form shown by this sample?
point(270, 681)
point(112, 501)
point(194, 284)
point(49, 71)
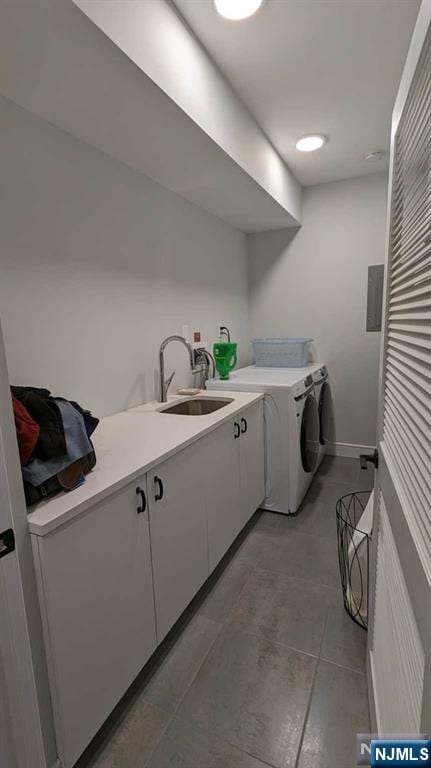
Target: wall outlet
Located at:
point(219, 327)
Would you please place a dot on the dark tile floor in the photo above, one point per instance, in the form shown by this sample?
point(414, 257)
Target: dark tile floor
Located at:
point(265, 668)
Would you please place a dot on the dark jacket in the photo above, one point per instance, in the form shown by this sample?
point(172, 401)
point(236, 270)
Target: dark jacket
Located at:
point(44, 410)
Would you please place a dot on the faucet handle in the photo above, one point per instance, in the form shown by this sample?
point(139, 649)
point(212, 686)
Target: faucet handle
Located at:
point(198, 368)
point(200, 363)
point(168, 381)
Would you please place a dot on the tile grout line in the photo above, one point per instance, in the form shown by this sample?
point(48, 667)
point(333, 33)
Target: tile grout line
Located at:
point(258, 759)
point(204, 658)
point(240, 593)
point(307, 713)
point(227, 621)
point(191, 723)
point(262, 636)
point(181, 699)
point(319, 659)
point(279, 643)
point(313, 685)
point(342, 666)
point(222, 739)
point(293, 648)
point(158, 740)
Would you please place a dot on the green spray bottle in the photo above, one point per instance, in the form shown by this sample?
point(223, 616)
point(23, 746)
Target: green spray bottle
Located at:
point(225, 354)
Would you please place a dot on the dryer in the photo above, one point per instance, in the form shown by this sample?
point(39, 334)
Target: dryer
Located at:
point(291, 430)
point(324, 405)
point(322, 390)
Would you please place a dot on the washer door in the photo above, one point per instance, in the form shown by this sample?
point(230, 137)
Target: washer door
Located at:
point(310, 434)
point(325, 407)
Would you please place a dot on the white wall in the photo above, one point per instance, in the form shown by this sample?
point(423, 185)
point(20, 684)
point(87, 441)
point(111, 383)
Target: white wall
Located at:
point(313, 282)
point(76, 78)
point(98, 264)
point(144, 30)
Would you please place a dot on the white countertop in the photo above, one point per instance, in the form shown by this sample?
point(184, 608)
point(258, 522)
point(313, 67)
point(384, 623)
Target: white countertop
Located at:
point(129, 444)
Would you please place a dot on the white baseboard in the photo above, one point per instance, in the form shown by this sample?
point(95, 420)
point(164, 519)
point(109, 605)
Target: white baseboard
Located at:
point(350, 450)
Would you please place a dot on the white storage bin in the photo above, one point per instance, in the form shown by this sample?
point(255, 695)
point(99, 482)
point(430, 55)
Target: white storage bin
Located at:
point(281, 353)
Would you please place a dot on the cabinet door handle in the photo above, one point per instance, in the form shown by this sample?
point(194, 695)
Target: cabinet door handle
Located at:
point(159, 495)
point(143, 504)
point(237, 430)
point(244, 425)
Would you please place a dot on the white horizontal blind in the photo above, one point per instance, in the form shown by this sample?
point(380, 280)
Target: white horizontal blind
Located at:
point(398, 655)
point(407, 394)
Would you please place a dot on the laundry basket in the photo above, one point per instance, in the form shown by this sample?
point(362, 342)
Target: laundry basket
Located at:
point(281, 353)
point(354, 530)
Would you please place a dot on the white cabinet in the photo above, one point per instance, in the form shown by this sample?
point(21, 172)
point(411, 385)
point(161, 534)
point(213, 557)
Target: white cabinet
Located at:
point(234, 478)
point(97, 601)
point(200, 499)
point(221, 479)
point(113, 580)
point(252, 461)
point(178, 525)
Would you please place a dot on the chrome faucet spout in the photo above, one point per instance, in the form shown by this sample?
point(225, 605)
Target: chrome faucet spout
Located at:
point(164, 384)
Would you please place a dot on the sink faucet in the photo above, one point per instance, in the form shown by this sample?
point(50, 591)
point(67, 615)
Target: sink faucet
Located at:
point(208, 360)
point(165, 383)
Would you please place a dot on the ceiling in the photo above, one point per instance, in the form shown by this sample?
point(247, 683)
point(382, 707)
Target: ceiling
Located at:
point(60, 66)
point(305, 66)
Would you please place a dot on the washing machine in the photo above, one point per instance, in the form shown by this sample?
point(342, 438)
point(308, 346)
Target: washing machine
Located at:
point(291, 430)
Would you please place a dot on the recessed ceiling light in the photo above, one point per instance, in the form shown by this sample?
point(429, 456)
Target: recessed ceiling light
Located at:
point(311, 142)
point(235, 10)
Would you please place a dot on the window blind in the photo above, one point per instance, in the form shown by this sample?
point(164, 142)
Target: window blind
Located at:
point(407, 390)
point(398, 656)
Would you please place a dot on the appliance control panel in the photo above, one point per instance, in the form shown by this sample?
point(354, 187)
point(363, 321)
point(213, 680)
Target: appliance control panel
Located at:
point(302, 386)
point(320, 375)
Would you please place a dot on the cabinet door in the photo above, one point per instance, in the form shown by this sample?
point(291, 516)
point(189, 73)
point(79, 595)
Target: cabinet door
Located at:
point(252, 460)
point(221, 477)
point(98, 606)
point(178, 533)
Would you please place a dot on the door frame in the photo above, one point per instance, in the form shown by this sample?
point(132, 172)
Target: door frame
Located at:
point(21, 719)
point(420, 32)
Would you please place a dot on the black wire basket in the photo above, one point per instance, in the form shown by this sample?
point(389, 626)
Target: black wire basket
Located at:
point(354, 555)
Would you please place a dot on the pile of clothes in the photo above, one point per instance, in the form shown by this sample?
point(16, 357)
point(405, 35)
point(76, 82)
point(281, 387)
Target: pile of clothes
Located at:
point(54, 443)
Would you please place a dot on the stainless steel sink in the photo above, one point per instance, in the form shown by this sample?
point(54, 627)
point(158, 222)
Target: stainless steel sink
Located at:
point(197, 406)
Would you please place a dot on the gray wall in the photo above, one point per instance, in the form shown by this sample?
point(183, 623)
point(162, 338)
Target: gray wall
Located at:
point(99, 263)
point(313, 282)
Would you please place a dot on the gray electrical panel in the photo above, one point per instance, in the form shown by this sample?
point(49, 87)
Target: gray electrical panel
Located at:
point(375, 297)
